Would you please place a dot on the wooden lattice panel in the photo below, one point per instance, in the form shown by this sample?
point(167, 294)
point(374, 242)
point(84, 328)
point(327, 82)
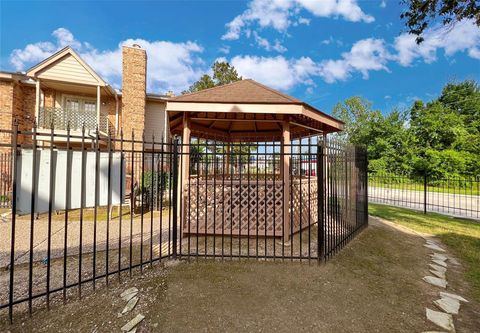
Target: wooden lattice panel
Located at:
point(240, 209)
point(304, 208)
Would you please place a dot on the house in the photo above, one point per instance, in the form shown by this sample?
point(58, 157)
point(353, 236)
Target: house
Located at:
point(63, 89)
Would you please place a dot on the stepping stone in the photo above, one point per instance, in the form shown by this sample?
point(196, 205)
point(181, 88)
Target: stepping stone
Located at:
point(128, 297)
point(435, 281)
point(438, 268)
point(444, 320)
point(132, 323)
point(438, 274)
point(129, 294)
point(440, 263)
point(460, 298)
point(439, 256)
point(130, 305)
point(434, 247)
point(448, 305)
point(454, 261)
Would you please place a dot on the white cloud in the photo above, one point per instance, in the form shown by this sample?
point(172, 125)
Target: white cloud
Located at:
point(276, 72)
point(265, 44)
point(331, 40)
point(171, 66)
point(267, 13)
point(36, 52)
point(224, 49)
point(474, 52)
point(364, 56)
point(303, 20)
point(279, 72)
point(463, 36)
point(65, 38)
point(383, 4)
point(280, 14)
point(31, 53)
point(347, 9)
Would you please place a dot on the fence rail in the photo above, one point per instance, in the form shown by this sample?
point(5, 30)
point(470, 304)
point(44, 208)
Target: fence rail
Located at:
point(458, 196)
point(86, 209)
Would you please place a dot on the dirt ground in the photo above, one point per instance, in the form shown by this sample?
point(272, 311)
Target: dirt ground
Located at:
point(373, 285)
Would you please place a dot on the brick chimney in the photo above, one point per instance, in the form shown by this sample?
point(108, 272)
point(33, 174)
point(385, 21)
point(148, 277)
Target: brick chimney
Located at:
point(134, 82)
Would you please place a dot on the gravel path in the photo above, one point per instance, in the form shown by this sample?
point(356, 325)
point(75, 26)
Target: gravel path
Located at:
point(22, 237)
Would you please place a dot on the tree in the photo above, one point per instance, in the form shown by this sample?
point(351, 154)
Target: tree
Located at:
point(222, 73)
point(358, 116)
point(436, 126)
point(385, 136)
point(422, 13)
point(204, 82)
point(441, 137)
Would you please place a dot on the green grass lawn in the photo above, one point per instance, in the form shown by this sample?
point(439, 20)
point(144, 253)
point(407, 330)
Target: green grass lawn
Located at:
point(460, 235)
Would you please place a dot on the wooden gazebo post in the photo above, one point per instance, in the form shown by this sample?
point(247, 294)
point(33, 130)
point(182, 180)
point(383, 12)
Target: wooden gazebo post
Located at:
point(227, 163)
point(286, 149)
point(185, 166)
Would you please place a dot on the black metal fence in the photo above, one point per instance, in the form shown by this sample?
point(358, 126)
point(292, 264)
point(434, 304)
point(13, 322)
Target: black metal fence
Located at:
point(87, 209)
point(301, 201)
point(456, 196)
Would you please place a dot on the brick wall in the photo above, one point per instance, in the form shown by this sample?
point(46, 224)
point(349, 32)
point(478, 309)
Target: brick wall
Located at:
point(17, 101)
point(109, 106)
point(6, 106)
point(134, 79)
point(24, 109)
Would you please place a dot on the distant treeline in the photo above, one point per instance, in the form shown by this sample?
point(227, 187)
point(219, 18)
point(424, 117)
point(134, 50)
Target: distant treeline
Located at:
point(440, 137)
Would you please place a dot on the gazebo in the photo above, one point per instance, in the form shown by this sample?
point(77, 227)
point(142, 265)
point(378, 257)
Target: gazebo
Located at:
point(250, 114)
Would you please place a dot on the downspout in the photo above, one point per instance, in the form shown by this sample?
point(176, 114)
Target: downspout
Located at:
point(116, 112)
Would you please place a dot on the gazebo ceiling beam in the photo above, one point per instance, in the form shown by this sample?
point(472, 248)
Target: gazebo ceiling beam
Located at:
point(236, 117)
point(244, 132)
point(176, 116)
point(177, 126)
point(230, 127)
point(306, 127)
point(204, 129)
point(240, 120)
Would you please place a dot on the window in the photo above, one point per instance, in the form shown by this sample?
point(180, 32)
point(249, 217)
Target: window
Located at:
point(79, 104)
point(78, 111)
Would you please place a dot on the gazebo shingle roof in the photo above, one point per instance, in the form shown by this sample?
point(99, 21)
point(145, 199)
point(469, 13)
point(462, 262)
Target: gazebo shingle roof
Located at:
point(243, 91)
point(246, 110)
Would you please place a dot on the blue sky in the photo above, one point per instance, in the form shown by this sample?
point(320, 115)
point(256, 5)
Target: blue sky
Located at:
point(318, 51)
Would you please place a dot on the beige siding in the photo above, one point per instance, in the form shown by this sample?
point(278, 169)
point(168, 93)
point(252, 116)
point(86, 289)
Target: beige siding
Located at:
point(155, 120)
point(70, 70)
